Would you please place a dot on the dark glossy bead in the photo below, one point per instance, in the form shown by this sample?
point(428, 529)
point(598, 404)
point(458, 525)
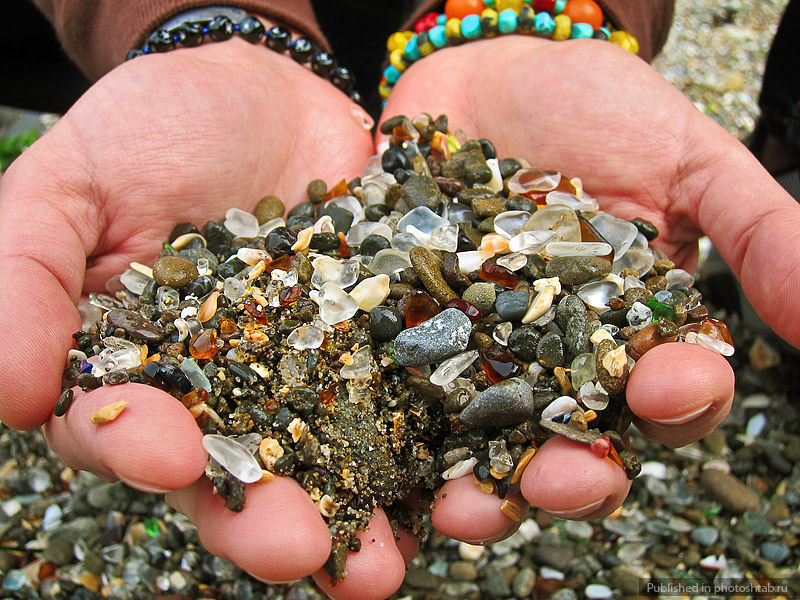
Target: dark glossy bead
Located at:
point(424, 149)
point(200, 287)
point(393, 159)
point(134, 54)
point(220, 29)
point(64, 401)
point(488, 149)
point(278, 38)
point(481, 472)
point(279, 241)
point(322, 63)
point(301, 49)
point(160, 41)
point(355, 96)
point(189, 34)
point(182, 229)
point(599, 34)
point(508, 166)
point(343, 79)
point(385, 322)
point(251, 29)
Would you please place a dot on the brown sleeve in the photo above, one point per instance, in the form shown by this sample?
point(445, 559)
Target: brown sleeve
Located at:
point(648, 20)
point(97, 34)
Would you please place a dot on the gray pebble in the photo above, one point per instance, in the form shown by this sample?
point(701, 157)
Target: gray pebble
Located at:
point(776, 552)
point(523, 582)
point(705, 536)
point(509, 402)
point(550, 350)
point(438, 338)
point(482, 296)
point(574, 270)
point(511, 305)
point(419, 190)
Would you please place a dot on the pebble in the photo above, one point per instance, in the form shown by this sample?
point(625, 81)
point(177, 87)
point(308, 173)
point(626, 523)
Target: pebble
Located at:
point(776, 552)
point(705, 536)
point(488, 207)
point(523, 582)
point(174, 271)
point(427, 269)
point(371, 244)
point(726, 489)
point(462, 570)
point(422, 191)
point(550, 350)
point(524, 341)
point(482, 296)
point(135, 325)
point(341, 217)
point(508, 402)
point(575, 270)
point(269, 207)
point(511, 305)
point(440, 337)
point(316, 191)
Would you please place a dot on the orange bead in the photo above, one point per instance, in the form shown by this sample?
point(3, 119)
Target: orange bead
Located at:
point(458, 9)
point(584, 11)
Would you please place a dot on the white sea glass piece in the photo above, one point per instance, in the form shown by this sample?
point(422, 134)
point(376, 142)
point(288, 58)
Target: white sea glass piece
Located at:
point(639, 259)
point(324, 225)
point(559, 407)
point(530, 242)
point(502, 332)
point(252, 256)
point(406, 242)
point(453, 367)
point(342, 273)
point(620, 234)
point(423, 218)
point(361, 230)
point(472, 260)
point(496, 182)
point(513, 262)
point(444, 238)
point(241, 223)
point(335, 305)
point(578, 249)
point(233, 288)
point(597, 294)
point(167, 298)
point(305, 337)
point(360, 367)
point(268, 226)
point(233, 456)
point(389, 261)
point(509, 223)
point(632, 282)
point(371, 292)
point(195, 374)
point(587, 203)
point(135, 281)
point(675, 277)
point(557, 218)
point(583, 370)
point(639, 316)
point(461, 468)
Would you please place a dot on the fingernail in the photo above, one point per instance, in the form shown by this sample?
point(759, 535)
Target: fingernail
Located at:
point(576, 513)
point(683, 418)
point(143, 487)
point(270, 581)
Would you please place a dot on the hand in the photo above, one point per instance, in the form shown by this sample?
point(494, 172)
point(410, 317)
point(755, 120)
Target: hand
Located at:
point(167, 138)
point(592, 110)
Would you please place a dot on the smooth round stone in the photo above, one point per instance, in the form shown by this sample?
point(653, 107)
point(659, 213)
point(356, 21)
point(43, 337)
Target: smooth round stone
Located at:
point(776, 552)
point(731, 493)
point(372, 244)
point(575, 270)
point(304, 209)
point(440, 337)
point(374, 212)
point(550, 350)
point(135, 325)
point(218, 238)
point(509, 402)
point(523, 342)
point(598, 591)
point(269, 207)
point(385, 322)
point(201, 286)
point(174, 271)
point(279, 241)
point(482, 296)
point(523, 582)
point(705, 536)
point(419, 190)
point(341, 217)
point(325, 241)
point(511, 305)
point(488, 207)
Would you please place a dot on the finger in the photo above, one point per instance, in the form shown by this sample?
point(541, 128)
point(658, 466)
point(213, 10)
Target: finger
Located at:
point(464, 512)
point(153, 445)
point(407, 544)
point(679, 410)
point(279, 536)
point(567, 480)
point(373, 573)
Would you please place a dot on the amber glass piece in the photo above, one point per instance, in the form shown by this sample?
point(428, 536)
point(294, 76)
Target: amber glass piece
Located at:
point(344, 249)
point(194, 397)
point(290, 295)
point(284, 263)
point(439, 144)
point(255, 310)
point(498, 364)
point(717, 330)
point(209, 308)
point(420, 307)
point(494, 273)
point(328, 396)
point(468, 309)
point(226, 326)
point(589, 233)
point(204, 344)
point(340, 189)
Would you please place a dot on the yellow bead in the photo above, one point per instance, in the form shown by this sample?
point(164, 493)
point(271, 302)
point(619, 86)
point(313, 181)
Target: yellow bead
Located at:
point(625, 40)
point(489, 22)
point(396, 58)
point(426, 48)
point(384, 90)
point(398, 40)
point(515, 5)
point(452, 29)
point(563, 28)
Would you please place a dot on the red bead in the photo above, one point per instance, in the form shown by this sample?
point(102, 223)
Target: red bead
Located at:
point(425, 23)
point(496, 274)
point(290, 295)
point(468, 309)
point(584, 11)
point(547, 6)
point(458, 9)
point(419, 308)
point(498, 364)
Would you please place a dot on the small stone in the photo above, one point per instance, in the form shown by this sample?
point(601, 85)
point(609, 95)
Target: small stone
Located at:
point(269, 207)
point(135, 325)
point(775, 552)
point(324, 242)
point(341, 217)
point(731, 493)
point(174, 271)
point(523, 342)
point(646, 228)
point(488, 207)
point(523, 582)
point(462, 570)
point(511, 305)
point(705, 536)
point(372, 244)
point(575, 270)
point(419, 191)
point(279, 241)
point(482, 296)
point(427, 269)
point(316, 191)
point(63, 403)
point(440, 337)
point(509, 402)
point(550, 350)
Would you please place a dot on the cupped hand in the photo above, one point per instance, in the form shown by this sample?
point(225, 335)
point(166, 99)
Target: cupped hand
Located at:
point(595, 111)
point(160, 140)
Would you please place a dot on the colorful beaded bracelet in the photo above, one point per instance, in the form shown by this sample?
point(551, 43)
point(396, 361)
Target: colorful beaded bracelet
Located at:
point(467, 20)
point(221, 26)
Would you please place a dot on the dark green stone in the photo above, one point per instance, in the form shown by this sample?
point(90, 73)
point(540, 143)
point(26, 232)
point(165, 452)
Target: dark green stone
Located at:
point(341, 217)
point(550, 350)
point(646, 228)
point(422, 191)
point(325, 241)
point(304, 209)
point(218, 239)
point(508, 166)
point(372, 244)
point(575, 270)
point(523, 342)
point(385, 322)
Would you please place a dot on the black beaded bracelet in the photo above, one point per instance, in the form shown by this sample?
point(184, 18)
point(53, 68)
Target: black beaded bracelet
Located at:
point(192, 33)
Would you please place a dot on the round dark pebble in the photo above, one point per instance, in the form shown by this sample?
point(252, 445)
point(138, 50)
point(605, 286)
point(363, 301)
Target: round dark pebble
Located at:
point(325, 241)
point(231, 267)
point(393, 159)
point(280, 241)
point(389, 124)
point(422, 191)
point(218, 238)
point(521, 203)
point(182, 229)
point(115, 378)
point(512, 305)
point(574, 270)
point(316, 191)
point(646, 228)
point(372, 244)
point(341, 217)
point(508, 166)
point(488, 148)
point(63, 403)
point(509, 402)
point(385, 322)
point(201, 286)
point(550, 350)
point(304, 209)
point(297, 223)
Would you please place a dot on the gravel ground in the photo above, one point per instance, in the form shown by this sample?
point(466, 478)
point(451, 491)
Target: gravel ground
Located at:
point(106, 540)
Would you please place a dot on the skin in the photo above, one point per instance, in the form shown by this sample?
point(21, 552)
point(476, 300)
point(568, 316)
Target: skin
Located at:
point(223, 125)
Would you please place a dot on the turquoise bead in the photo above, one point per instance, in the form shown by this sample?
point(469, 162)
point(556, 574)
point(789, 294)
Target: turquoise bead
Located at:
point(490, 3)
point(545, 24)
point(581, 30)
point(471, 27)
point(392, 74)
point(559, 7)
point(605, 30)
point(441, 19)
point(437, 36)
point(507, 21)
point(412, 49)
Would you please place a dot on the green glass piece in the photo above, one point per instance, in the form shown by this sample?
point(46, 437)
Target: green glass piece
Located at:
point(152, 527)
point(712, 510)
point(660, 310)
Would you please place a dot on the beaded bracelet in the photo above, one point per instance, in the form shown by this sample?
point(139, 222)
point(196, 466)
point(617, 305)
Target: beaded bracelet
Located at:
point(467, 20)
point(191, 29)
